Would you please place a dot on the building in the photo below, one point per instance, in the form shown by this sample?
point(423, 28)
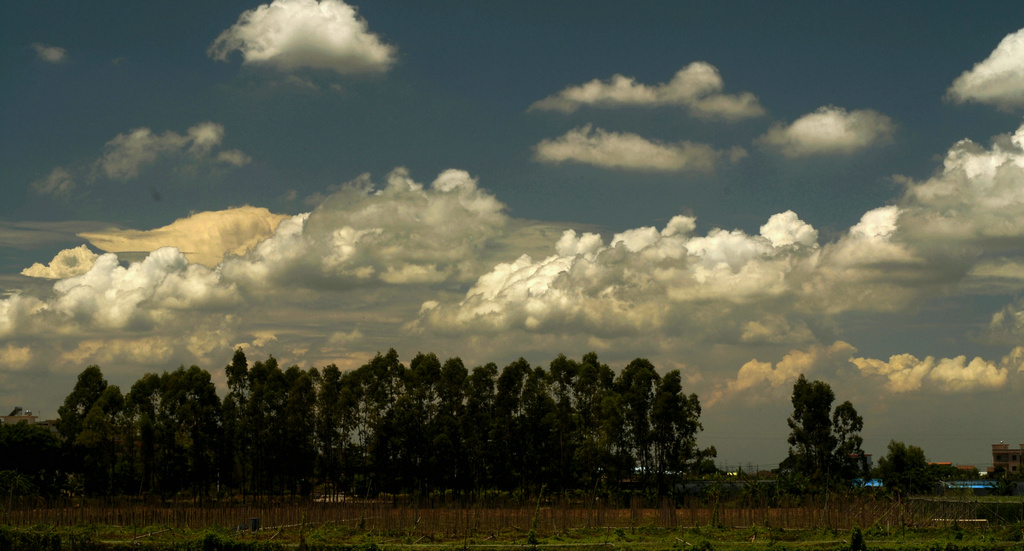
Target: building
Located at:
point(1007, 458)
point(18, 415)
point(865, 456)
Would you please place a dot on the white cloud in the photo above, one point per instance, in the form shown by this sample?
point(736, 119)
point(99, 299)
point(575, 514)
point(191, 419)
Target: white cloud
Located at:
point(112, 296)
point(998, 80)
point(645, 280)
point(165, 306)
point(234, 157)
point(401, 234)
point(776, 329)
point(125, 156)
point(204, 237)
point(345, 339)
point(18, 313)
point(995, 276)
point(786, 228)
point(829, 131)
point(441, 262)
point(756, 374)
point(697, 86)
point(67, 263)
point(15, 358)
point(127, 153)
point(294, 34)
point(642, 280)
point(1007, 325)
point(50, 54)
point(905, 373)
point(625, 151)
point(59, 182)
point(109, 353)
point(978, 196)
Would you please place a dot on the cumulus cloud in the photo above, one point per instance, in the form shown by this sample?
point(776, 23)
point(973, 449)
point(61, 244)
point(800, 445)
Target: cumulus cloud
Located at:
point(204, 238)
point(1007, 325)
point(625, 151)
point(50, 54)
point(829, 131)
point(905, 373)
point(109, 296)
point(364, 243)
point(995, 276)
point(998, 80)
point(14, 357)
point(642, 279)
point(59, 182)
point(978, 196)
point(127, 153)
point(400, 234)
point(67, 263)
point(294, 34)
point(139, 295)
point(697, 87)
point(645, 280)
point(441, 260)
point(755, 374)
point(775, 329)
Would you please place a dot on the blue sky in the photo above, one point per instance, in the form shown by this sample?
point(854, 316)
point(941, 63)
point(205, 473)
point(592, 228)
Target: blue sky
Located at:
point(744, 191)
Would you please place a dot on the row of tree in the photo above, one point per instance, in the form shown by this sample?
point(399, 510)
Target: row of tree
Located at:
point(426, 427)
point(384, 427)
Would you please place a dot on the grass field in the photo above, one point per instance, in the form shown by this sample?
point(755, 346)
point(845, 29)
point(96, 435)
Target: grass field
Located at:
point(928, 524)
point(326, 537)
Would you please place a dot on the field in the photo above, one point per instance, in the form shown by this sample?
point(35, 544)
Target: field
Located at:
point(487, 525)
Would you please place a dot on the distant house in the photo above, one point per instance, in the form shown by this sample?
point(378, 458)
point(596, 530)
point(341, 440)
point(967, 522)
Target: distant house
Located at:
point(18, 415)
point(1009, 459)
point(867, 459)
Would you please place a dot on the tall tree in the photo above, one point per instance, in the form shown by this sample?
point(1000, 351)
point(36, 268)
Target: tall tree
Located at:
point(476, 424)
point(824, 446)
point(566, 419)
point(539, 428)
point(103, 443)
point(636, 384)
point(328, 429)
point(600, 421)
point(508, 437)
point(448, 457)
point(77, 404)
point(675, 422)
point(235, 464)
point(298, 421)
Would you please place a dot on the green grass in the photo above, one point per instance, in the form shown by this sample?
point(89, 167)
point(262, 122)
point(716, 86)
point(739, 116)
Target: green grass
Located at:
point(641, 538)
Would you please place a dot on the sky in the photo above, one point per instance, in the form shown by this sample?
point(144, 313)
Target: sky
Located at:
point(744, 191)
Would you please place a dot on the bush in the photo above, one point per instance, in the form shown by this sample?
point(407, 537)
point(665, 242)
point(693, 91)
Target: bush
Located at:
point(18, 540)
point(857, 540)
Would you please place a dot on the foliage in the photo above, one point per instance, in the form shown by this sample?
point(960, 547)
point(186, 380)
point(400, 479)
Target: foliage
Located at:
point(905, 470)
point(29, 459)
point(857, 540)
point(385, 427)
point(825, 445)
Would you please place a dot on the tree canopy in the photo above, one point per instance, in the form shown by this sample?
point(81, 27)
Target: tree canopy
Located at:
point(384, 427)
point(825, 444)
point(905, 470)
